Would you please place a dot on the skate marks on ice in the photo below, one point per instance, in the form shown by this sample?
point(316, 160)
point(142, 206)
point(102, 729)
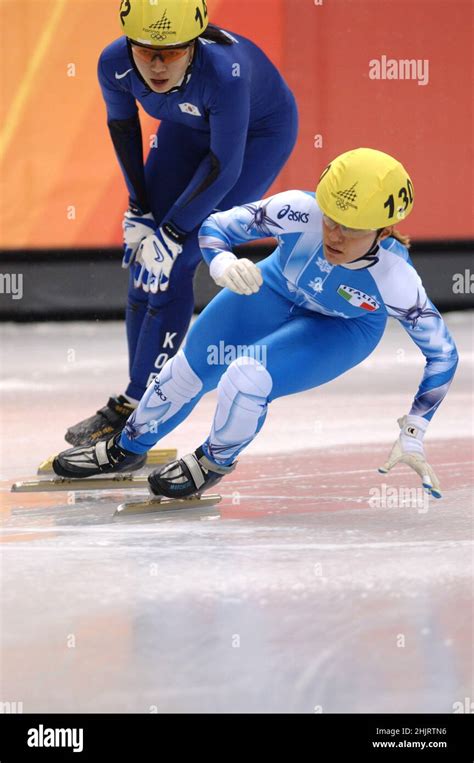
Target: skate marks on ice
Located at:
point(318, 481)
point(33, 512)
point(327, 612)
point(304, 598)
point(337, 478)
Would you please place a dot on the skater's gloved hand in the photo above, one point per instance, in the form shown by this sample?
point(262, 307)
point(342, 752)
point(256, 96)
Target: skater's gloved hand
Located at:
point(155, 258)
point(135, 227)
point(409, 450)
point(241, 276)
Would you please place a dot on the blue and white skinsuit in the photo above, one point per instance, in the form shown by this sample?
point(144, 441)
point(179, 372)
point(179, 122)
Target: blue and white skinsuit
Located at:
point(225, 134)
point(310, 322)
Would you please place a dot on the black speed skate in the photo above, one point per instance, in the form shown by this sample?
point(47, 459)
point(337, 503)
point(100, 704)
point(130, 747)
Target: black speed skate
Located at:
point(190, 475)
point(101, 458)
point(107, 422)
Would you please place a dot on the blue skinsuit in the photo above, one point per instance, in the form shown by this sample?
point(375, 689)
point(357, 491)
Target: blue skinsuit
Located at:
point(223, 139)
point(311, 321)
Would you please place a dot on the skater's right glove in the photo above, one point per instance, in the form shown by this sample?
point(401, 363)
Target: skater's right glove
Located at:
point(240, 276)
point(135, 227)
point(409, 450)
point(155, 258)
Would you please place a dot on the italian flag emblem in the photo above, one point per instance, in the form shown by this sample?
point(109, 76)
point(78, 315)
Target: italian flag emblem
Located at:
point(358, 298)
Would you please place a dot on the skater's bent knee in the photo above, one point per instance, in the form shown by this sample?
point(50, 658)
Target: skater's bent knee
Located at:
point(178, 375)
point(247, 375)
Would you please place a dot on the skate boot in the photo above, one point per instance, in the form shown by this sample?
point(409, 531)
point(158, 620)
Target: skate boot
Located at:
point(107, 422)
point(190, 475)
point(101, 458)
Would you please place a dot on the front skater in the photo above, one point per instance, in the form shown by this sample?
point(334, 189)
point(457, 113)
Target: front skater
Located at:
point(228, 125)
point(314, 309)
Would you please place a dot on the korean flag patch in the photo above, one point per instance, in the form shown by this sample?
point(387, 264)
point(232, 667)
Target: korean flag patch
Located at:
point(189, 108)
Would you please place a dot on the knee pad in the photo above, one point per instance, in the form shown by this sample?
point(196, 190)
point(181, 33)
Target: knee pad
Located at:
point(246, 384)
point(242, 405)
point(247, 376)
point(177, 383)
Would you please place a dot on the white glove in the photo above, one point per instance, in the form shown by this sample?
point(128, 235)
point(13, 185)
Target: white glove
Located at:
point(135, 227)
point(409, 450)
point(155, 258)
point(240, 276)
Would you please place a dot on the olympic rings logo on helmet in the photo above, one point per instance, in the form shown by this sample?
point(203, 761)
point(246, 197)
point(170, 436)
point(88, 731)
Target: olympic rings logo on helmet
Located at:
point(384, 193)
point(157, 21)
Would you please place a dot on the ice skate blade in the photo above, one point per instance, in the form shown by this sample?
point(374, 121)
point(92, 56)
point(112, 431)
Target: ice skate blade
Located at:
point(64, 484)
point(154, 505)
point(154, 457)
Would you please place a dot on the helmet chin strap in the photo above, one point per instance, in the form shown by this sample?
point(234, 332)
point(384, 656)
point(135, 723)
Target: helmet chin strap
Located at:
point(367, 260)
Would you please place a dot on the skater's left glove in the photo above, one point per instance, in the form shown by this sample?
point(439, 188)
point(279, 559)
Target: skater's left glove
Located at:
point(409, 450)
point(155, 258)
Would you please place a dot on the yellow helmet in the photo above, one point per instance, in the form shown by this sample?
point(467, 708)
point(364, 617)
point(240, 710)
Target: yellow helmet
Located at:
point(365, 189)
point(163, 22)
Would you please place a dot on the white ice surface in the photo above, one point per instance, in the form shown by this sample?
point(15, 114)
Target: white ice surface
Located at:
point(301, 597)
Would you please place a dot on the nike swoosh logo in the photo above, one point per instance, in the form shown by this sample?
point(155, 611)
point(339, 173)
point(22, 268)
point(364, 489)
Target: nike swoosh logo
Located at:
point(119, 76)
